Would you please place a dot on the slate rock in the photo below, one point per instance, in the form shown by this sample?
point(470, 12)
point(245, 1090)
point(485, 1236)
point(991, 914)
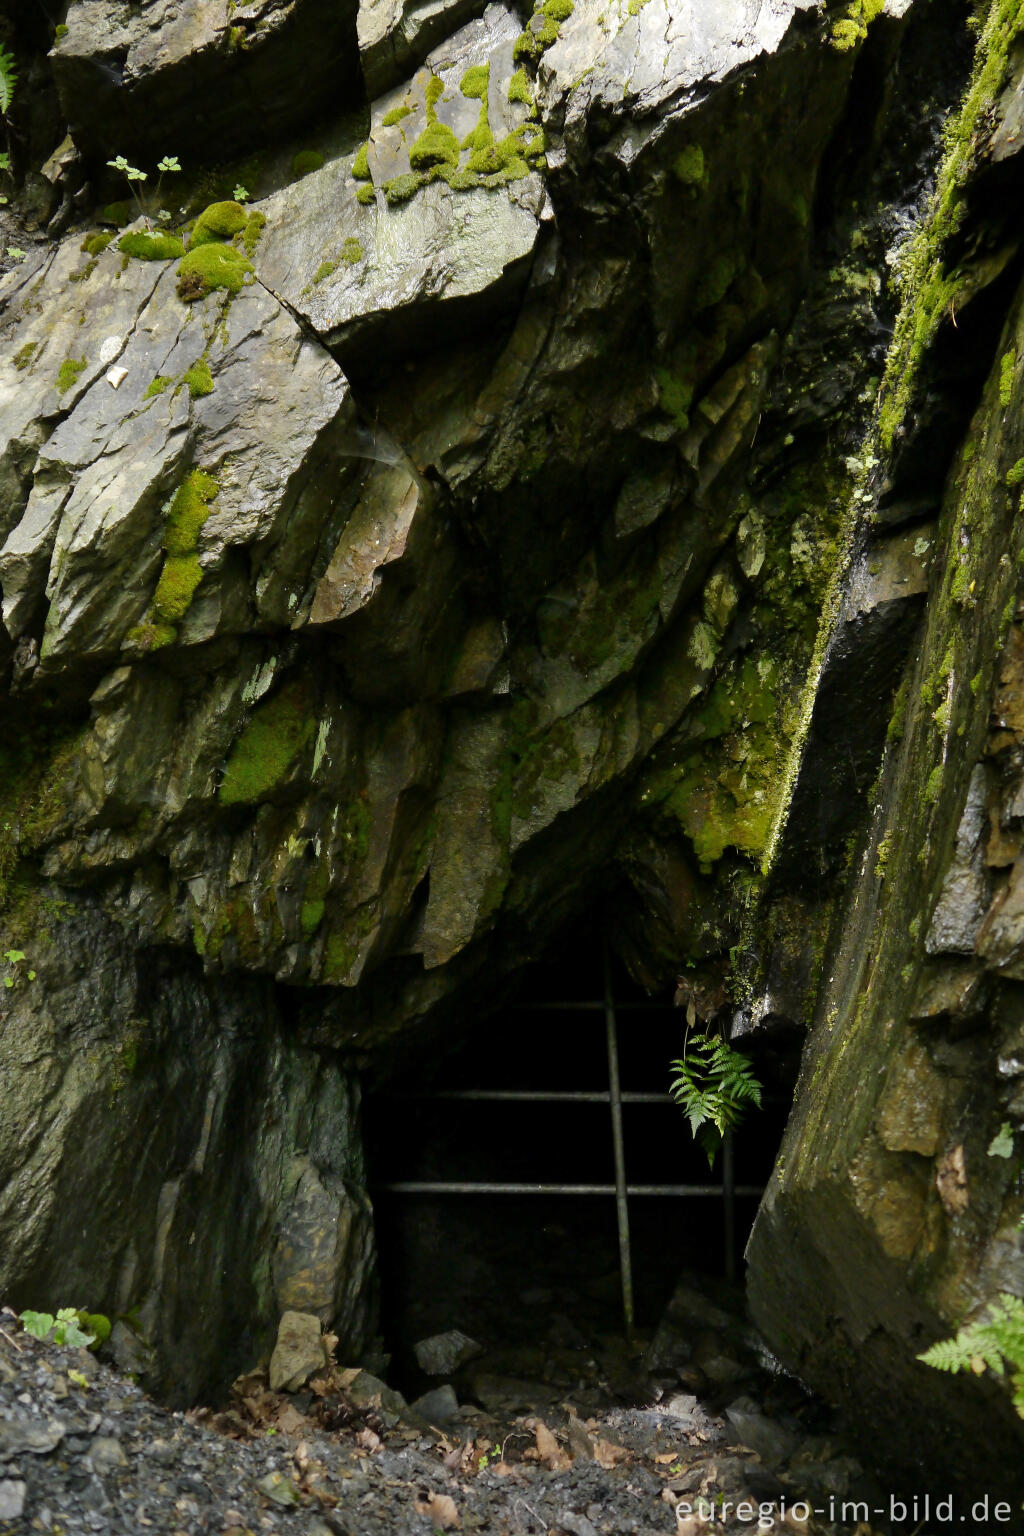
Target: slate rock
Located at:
point(442, 1353)
point(438, 1405)
point(298, 1353)
point(22, 1433)
point(12, 1498)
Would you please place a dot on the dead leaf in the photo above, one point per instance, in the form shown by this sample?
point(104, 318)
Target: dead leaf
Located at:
point(453, 1461)
point(368, 1440)
point(951, 1180)
point(690, 1526)
point(290, 1421)
point(346, 1377)
point(666, 1458)
point(440, 1509)
point(608, 1455)
point(504, 1468)
point(548, 1449)
point(330, 1344)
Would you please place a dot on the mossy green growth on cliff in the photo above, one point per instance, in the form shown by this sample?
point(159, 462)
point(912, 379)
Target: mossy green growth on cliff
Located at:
point(852, 28)
point(67, 374)
point(305, 161)
point(199, 379)
point(179, 578)
point(189, 509)
point(929, 290)
point(212, 266)
point(92, 245)
point(220, 221)
point(543, 28)
point(278, 731)
point(252, 234)
point(37, 756)
point(151, 245)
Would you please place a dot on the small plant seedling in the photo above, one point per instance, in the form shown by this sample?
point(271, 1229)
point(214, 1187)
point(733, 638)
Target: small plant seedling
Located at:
point(241, 194)
point(134, 176)
point(65, 1328)
point(715, 1085)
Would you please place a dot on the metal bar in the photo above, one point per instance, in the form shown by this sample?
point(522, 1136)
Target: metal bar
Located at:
point(460, 1187)
point(618, 1148)
point(530, 1096)
point(729, 1204)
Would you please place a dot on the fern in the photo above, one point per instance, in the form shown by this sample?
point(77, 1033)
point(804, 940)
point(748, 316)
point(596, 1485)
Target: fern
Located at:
point(8, 80)
point(715, 1085)
point(986, 1344)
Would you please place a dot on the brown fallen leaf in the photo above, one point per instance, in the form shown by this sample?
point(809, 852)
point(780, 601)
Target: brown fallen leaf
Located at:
point(290, 1421)
point(951, 1180)
point(440, 1509)
point(608, 1455)
point(548, 1449)
point(368, 1440)
point(666, 1458)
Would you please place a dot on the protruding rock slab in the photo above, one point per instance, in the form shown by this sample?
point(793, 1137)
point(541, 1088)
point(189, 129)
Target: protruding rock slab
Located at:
point(298, 1354)
point(205, 80)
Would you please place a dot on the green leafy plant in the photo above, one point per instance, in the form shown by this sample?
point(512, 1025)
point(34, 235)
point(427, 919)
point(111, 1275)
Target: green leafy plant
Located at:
point(15, 958)
point(715, 1085)
point(71, 1327)
point(135, 177)
point(990, 1344)
point(8, 80)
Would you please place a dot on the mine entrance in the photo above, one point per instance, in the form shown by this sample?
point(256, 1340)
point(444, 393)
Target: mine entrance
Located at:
point(539, 1181)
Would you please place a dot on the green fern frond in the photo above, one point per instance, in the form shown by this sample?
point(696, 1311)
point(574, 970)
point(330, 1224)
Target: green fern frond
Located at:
point(8, 80)
point(987, 1343)
point(713, 1084)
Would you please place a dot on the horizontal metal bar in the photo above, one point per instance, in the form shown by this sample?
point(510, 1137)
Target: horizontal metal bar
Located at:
point(442, 1187)
point(539, 1096)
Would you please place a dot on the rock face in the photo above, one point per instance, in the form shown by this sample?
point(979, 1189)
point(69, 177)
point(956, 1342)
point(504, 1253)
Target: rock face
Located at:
point(490, 517)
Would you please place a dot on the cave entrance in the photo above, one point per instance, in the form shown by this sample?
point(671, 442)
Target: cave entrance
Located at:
point(536, 1180)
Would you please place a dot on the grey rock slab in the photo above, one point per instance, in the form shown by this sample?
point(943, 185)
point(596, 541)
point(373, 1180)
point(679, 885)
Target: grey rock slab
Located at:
point(23, 1433)
point(437, 1406)
point(12, 1498)
point(129, 76)
point(442, 1353)
point(106, 1454)
point(353, 271)
point(298, 1353)
point(90, 534)
point(396, 35)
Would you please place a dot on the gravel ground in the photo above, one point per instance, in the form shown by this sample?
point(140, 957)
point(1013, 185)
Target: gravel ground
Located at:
point(82, 1449)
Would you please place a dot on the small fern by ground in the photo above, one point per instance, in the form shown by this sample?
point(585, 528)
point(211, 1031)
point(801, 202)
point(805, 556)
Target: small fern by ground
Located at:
point(715, 1086)
point(8, 80)
point(991, 1344)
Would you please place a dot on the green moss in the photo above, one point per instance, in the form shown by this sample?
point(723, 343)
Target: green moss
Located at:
point(1007, 363)
point(24, 355)
point(436, 145)
point(930, 290)
point(305, 161)
point(352, 251)
point(933, 788)
point(401, 188)
point(179, 579)
point(636, 6)
point(395, 116)
point(543, 29)
point(1015, 475)
point(157, 386)
point(519, 89)
point(255, 224)
point(323, 272)
point(199, 379)
point(278, 731)
point(220, 221)
point(432, 95)
point(475, 82)
point(67, 375)
point(60, 30)
point(92, 245)
point(361, 164)
point(506, 159)
point(120, 213)
point(688, 166)
point(189, 509)
point(149, 637)
point(151, 245)
point(310, 918)
point(366, 195)
point(212, 266)
point(675, 396)
point(853, 27)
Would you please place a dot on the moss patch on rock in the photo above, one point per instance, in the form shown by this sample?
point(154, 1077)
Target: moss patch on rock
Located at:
point(210, 267)
point(199, 379)
point(218, 222)
point(67, 374)
point(151, 245)
point(305, 161)
point(267, 748)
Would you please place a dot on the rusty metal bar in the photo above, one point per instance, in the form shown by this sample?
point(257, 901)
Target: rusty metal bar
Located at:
point(462, 1187)
point(729, 1203)
point(618, 1149)
point(532, 1096)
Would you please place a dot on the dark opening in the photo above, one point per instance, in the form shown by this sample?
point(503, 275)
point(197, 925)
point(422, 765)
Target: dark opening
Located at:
point(514, 1270)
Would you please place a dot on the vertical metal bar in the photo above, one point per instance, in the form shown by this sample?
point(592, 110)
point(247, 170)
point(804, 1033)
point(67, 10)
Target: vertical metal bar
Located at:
point(621, 1200)
point(729, 1204)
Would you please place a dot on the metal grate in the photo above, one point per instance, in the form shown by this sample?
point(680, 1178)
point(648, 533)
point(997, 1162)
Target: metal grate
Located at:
point(726, 1189)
